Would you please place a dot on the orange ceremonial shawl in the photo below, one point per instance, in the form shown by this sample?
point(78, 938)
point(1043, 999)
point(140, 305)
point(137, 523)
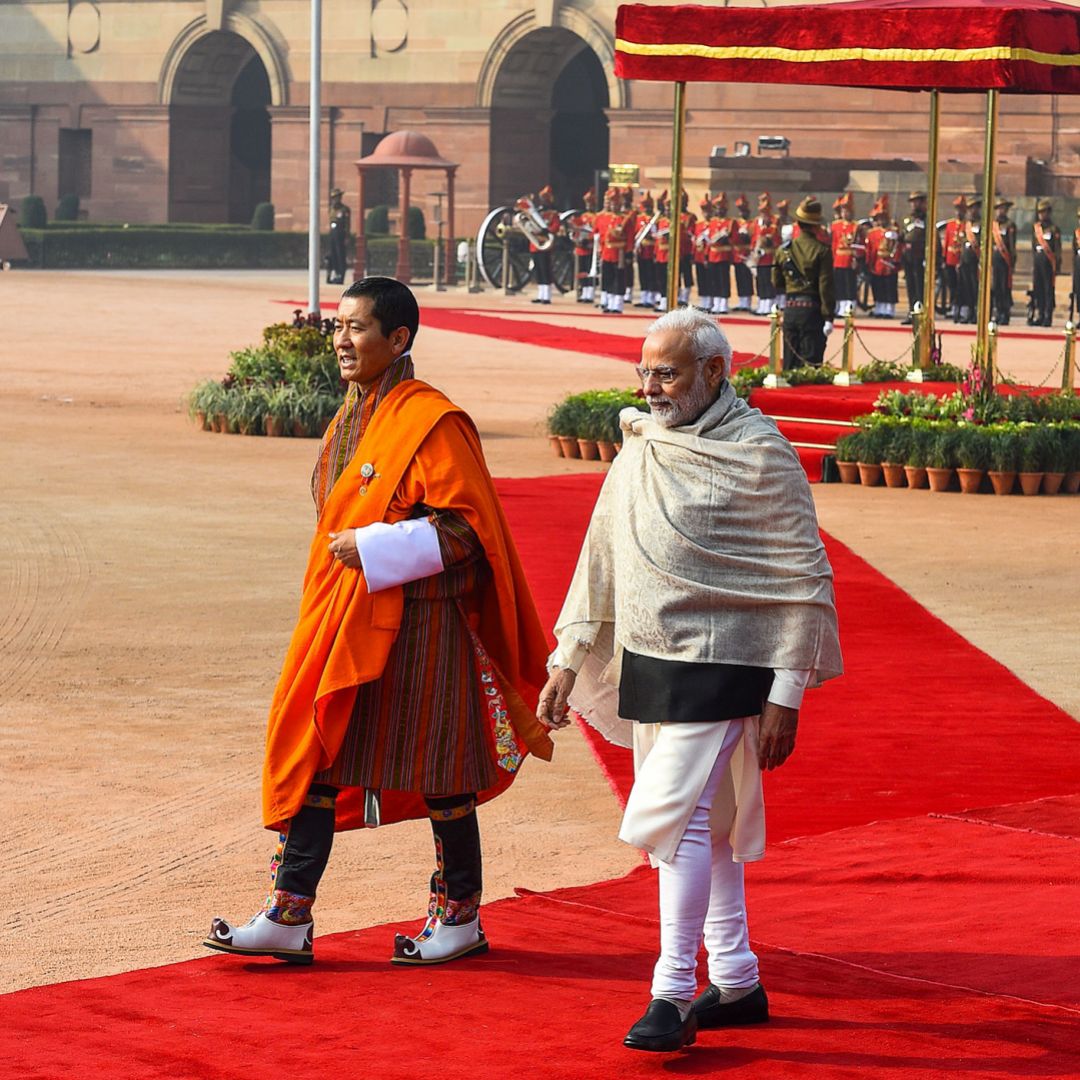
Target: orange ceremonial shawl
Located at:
point(422, 448)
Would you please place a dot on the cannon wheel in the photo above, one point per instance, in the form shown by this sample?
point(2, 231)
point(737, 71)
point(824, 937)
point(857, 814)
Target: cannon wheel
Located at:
point(489, 251)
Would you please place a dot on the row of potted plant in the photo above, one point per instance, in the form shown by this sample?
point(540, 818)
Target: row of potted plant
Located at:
point(981, 404)
point(288, 385)
point(586, 425)
point(917, 453)
point(748, 379)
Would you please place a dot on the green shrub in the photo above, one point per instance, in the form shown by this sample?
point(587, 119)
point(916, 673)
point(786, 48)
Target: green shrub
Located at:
point(1070, 438)
point(898, 446)
point(1004, 451)
point(848, 447)
point(32, 213)
point(809, 375)
point(1056, 450)
point(377, 221)
point(208, 398)
point(875, 439)
point(942, 450)
point(1032, 449)
point(565, 418)
point(882, 371)
point(262, 220)
point(67, 209)
point(281, 404)
point(922, 439)
point(973, 448)
point(417, 229)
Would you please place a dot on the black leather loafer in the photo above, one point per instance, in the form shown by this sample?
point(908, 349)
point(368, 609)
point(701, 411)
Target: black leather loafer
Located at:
point(711, 1012)
point(660, 1029)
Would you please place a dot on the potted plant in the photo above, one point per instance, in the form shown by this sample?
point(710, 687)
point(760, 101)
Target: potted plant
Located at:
point(250, 409)
point(847, 456)
point(896, 453)
point(280, 410)
point(204, 402)
point(918, 452)
point(1071, 438)
point(1055, 461)
point(941, 459)
point(562, 425)
point(871, 451)
point(589, 426)
point(1032, 458)
point(1003, 459)
point(973, 458)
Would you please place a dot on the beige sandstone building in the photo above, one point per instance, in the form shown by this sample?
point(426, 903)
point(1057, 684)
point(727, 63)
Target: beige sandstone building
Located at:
point(196, 110)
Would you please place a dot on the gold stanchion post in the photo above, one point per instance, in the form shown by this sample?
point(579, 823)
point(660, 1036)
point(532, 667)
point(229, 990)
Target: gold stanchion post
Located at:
point(675, 204)
point(982, 339)
point(924, 328)
point(775, 379)
point(1068, 372)
point(844, 377)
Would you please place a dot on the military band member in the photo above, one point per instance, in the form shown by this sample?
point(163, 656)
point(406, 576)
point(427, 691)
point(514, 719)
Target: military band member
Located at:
point(687, 225)
point(340, 228)
point(803, 272)
point(1046, 253)
point(629, 212)
point(742, 236)
point(968, 273)
point(663, 249)
point(883, 260)
point(1003, 261)
point(783, 217)
point(702, 266)
point(609, 261)
point(1074, 296)
point(582, 230)
point(645, 228)
point(720, 253)
point(765, 240)
point(845, 231)
point(953, 250)
point(913, 241)
point(544, 207)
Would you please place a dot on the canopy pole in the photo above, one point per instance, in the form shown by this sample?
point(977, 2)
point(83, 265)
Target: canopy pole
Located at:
point(983, 356)
point(926, 339)
point(675, 200)
point(314, 183)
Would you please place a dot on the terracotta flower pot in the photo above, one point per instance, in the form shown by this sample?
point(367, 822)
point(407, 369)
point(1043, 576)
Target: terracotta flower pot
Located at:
point(299, 430)
point(556, 446)
point(607, 450)
point(970, 480)
point(849, 472)
point(1052, 482)
point(940, 479)
point(869, 475)
point(569, 446)
point(1003, 482)
point(894, 475)
point(589, 450)
point(916, 476)
point(219, 423)
point(201, 421)
point(1071, 483)
point(1030, 482)
point(274, 426)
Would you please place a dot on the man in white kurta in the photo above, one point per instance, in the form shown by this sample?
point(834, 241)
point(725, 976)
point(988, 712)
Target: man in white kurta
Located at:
point(700, 610)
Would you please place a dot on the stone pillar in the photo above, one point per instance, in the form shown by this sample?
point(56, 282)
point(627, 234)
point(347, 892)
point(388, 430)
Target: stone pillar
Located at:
point(404, 259)
point(360, 262)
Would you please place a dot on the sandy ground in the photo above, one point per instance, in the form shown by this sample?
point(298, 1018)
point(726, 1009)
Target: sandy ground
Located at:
point(148, 581)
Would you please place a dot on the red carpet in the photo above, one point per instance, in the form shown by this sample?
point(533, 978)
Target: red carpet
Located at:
point(902, 933)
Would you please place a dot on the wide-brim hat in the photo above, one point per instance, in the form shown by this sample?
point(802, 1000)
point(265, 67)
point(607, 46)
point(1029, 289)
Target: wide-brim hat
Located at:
point(975, 202)
point(336, 192)
point(916, 195)
point(1002, 204)
point(809, 211)
point(1044, 204)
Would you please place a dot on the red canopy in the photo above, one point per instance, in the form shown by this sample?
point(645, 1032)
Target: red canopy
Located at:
point(1031, 47)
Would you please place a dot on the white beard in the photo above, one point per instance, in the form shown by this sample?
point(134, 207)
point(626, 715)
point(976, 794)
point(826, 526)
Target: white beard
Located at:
point(685, 410)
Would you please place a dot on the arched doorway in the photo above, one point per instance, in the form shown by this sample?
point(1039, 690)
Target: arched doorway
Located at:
point(219, 131)
point(548, 123)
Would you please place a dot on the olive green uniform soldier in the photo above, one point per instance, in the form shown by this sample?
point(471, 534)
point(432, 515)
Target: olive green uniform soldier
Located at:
point(1003, 262)
point(803, 273)
point(340, 227)
point(1046, 259)
point(913, 251)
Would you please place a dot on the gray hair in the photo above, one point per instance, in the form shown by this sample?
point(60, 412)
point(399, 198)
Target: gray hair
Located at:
point(701, 330)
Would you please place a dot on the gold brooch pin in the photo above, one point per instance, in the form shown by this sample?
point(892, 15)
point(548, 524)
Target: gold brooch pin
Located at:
point(367, 471)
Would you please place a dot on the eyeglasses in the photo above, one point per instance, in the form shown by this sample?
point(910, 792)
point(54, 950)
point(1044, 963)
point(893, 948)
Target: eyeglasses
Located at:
point(664, 375)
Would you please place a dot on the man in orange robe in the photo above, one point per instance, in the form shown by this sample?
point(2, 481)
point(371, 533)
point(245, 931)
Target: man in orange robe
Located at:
point(405, 691)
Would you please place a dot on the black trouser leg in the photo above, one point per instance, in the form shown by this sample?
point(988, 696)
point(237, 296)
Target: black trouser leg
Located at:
point(459, 861)
point(307, 843)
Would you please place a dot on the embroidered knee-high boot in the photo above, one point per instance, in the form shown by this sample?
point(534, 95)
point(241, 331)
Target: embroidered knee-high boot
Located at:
point(453, 926)
point(284, 928)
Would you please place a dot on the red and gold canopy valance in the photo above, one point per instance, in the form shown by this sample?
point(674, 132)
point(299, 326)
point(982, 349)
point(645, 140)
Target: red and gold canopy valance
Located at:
point(960, 45)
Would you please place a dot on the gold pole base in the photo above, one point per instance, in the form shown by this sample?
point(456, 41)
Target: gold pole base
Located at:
point(774, 381)
point(846, 378)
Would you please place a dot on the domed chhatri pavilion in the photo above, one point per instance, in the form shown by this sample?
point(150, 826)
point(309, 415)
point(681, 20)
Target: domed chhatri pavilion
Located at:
point(405, 151)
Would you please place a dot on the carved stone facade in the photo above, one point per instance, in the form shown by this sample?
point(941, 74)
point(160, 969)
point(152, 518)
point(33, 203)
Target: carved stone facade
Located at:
point(154, 110)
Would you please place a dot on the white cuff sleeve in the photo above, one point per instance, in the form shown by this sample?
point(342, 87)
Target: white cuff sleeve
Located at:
point(397, 554)
point(573, 646)
point(788, 686)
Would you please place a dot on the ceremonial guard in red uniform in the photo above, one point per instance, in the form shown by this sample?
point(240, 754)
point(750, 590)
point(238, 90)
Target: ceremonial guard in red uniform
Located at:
point(1046, 256)
point(645, 250)
point(614, 244)
point(602, 224)
point(687, 225)
point(968, 273)
point(883, 260)
point(765, 239)
point(844, 233)
point(953, 249)
point(784, 219)
point(719, 253)
point(913, 250)
point(629, 213)
point(1074, 296)
point(702, 229)
point(582, 231)
point(544, 207)
point(663, 248)
point(1003, 256)
point(742, 237)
